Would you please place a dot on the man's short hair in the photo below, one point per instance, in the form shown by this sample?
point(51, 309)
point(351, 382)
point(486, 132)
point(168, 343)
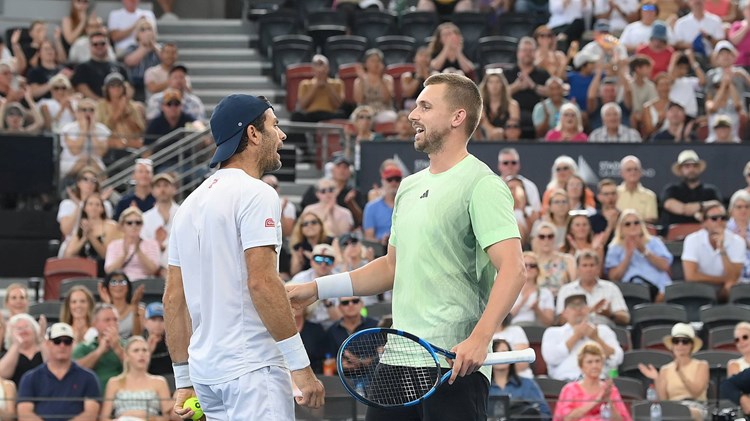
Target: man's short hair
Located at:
point(587, 254)
point(508, 151)
point(606, 182)
point(101, 307)
point(463, 93)
point(640, 60)
point(610, 106)
point(630, 158)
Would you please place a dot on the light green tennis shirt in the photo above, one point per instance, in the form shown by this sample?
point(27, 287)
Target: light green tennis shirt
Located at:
point(442, 225)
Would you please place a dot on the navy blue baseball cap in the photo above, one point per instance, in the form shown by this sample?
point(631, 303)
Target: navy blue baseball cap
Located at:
point(228, 120)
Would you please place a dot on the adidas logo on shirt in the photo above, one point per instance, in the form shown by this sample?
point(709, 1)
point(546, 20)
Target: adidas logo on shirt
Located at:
point(425, 194)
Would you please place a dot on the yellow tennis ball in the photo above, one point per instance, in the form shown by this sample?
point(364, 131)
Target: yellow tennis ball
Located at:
point(193, 404)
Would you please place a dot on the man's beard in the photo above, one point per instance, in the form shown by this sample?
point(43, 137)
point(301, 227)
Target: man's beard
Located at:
point(433, 141)
point(267, 160)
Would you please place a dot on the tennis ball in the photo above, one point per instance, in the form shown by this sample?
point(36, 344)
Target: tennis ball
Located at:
point(193, 404)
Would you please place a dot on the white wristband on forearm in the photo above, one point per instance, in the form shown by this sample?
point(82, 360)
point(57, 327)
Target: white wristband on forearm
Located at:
point(294, 352)
point(335, 286)
point(182, 375)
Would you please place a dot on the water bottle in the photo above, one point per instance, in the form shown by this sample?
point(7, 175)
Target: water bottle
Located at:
point(655, 410)
point(605, 411)
point(329, 366)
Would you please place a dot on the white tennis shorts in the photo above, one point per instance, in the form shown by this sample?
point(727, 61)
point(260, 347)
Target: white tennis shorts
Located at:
point(263, 394)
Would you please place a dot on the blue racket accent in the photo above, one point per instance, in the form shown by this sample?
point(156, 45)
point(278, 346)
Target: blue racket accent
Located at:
point(388, 368)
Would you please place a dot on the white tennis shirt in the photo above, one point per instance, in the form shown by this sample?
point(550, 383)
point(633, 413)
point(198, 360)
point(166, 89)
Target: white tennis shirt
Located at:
point(229, 213)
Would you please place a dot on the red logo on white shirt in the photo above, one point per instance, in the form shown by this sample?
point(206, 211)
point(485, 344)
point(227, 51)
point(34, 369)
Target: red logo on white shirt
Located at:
point(270, 223)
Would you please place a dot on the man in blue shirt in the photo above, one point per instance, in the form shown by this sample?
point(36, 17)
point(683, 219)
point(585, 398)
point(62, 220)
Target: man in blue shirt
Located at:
point(59, 388)
point(378, 213)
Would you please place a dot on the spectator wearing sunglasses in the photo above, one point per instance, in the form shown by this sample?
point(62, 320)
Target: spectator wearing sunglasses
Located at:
point(59, 387)
point(102, 349)
point(378, 213)
point(742, 342)
point(354, 255)
point(337, 220)
point(322, 261)
point(84, 142)
point(685, 379)
point(636, 256)
point(172, 117)
point(351, 321)
point(714, 255)
point(88, 78)
point(684, 200)
point(137, 257)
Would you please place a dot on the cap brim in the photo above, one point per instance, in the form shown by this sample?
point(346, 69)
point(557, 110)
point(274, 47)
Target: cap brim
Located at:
point(226, 149)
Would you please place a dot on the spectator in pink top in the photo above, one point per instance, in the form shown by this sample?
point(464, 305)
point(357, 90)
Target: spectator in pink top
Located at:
point(136, 257)
point(584, 399)
point(739, 35)
point(569, 127)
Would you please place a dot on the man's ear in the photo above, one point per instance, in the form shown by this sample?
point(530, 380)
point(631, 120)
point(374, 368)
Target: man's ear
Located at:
point(253, 135)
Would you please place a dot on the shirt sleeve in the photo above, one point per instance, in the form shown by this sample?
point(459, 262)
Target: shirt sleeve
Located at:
point(651, 208)
point(152, 251)
point(554, 350)
point(173, 248)
point(690, 249)
point(368, 216)
point(491, 212)
point(613, 257)
point(82, 350)
point(657, 247)
point(26, 391)
point(114, 252)
point(620, 406)
point(616, 300)
point(610, 338)
point(566, 401)
point(736, 249)
point(258, 217)
point(546, 299)
point(67, 207)
point(91, 389)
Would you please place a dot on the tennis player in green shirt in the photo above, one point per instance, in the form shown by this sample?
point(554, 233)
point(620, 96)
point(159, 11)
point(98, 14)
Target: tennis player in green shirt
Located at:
point(454, 257)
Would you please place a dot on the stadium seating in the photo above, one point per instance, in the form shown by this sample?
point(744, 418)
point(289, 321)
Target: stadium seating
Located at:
point(669, 410)
point(740, 294)
point(49, 309)
point(274, 24)
point(692, 296)
point(515, 25)
point(56, 270)
point(496, 49)
point(323, 24)
point(634, 294)
point(551, 389)
point(623, 337)
point(650, 314)
point(717, 362)
point(630, 389)
point(418, 25)
point(153, 289)
point(296, 73)
point(473, 26)
point(344, 49)
point(678, 232)
point(288, 50)
point(91, 284)
point(652, 337)
point(348, 73)
point(722, 315)
point(396, 70)
point(630, 361)
point(534, 334)
point(373, 24)
point(721, 338)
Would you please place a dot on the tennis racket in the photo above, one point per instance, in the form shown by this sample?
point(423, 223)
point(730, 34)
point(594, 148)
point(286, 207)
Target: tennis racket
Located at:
point(390, 368)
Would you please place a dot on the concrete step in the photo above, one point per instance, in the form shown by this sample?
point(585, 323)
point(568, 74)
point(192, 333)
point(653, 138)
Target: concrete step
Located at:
point(213, 96)
point(219, 54)
point(232, 82)
point(202, 26)
point(279, 108)
point(209, 41)
point(245, 68)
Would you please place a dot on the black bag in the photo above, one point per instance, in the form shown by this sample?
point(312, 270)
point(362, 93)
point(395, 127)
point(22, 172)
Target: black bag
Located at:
point(652, 289)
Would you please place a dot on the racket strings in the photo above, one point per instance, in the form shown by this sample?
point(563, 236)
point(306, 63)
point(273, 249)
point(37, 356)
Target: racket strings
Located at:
point(388, 369)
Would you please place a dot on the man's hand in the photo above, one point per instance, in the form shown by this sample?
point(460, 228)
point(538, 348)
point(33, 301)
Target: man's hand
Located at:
point(179, 399)
point(470, 354)
point(313, 393)
point(302, 295)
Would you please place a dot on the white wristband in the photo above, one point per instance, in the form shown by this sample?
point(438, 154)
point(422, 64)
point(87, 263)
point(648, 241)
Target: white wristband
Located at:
point(335, 286)
point(294, 352)
point(181, 375)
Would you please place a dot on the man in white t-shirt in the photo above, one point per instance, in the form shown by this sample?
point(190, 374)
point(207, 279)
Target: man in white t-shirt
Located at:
point(560, 344)
point(714, 255)
point(509, 163)
point(697, 22)
point(157, 221)
point(617, 12)
point(607, 303)
point(223, 293)
point(639, 32)
point(122, 23)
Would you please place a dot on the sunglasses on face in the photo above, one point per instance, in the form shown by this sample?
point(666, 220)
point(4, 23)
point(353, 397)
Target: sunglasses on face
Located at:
point(327, 260)
point(558, 169)
point(174, 104)
point(364, 117)
point(717, 218)
point(118, 282)
point(531, 266)
point(352, 301)
point(136, 223)
point(512, 126)
point(683, 341)
point(98, 44)
point(327, 190)
point(59, 88)
point(741, 338)
point(546, 35)
point(353, 242)
point(393, 179)
point(545, 237)
point(509, 162)
point(88, 179)
point(64, 340)
point(308, 223)
point(558, 202)
point(86, 110)
point(629, 223)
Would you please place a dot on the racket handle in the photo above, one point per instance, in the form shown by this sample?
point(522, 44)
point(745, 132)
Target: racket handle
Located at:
point(508, 357)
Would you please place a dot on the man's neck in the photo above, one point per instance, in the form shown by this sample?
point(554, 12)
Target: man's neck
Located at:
point(165, 206)
point(699, 14)
point(390, 199)
point(351, 323)
point(445, 159)
point(142, 191)
point(59, 368)
point(172, 120)
point(589, 284)
point(632, 185)
point(692, 184)
point(526, 67)
point(613, 131)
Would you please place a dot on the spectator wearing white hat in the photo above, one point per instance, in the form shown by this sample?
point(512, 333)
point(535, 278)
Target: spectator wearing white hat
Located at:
point(725, 85)
point(322, 262)
point(723, 132)
point(319, 97)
